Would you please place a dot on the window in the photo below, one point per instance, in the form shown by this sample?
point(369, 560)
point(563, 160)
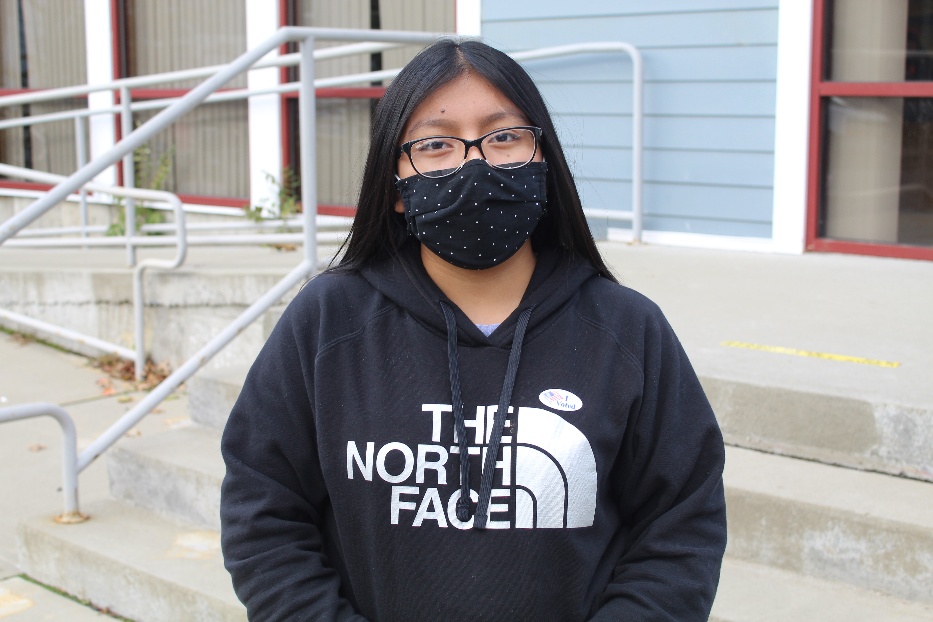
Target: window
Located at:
point(41, 47)
point(872, 128)
point(205, 153)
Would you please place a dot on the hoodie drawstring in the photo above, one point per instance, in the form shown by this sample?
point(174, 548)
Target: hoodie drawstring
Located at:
point(463, 503)
point(495, 436)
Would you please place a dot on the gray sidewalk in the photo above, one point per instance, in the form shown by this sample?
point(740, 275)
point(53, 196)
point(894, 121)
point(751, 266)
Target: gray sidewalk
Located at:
point(30, 457)
point(816, 323)
point(862, 307)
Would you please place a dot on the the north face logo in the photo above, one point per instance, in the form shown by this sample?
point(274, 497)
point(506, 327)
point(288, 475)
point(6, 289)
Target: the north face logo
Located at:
point(546, 473)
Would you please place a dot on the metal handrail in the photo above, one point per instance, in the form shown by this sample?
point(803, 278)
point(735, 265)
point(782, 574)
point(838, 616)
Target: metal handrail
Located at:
point(136, 138)
point(71, 514)
point(635, 214)
point(286, 60)
point(306, 104)
point(638, 114)
point(180, 241)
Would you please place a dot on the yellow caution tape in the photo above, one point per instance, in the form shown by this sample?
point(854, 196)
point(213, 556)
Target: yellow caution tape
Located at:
point(818, 355)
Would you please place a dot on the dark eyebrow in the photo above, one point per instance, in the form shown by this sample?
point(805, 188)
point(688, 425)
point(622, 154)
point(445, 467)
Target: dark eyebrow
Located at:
point(446, 125)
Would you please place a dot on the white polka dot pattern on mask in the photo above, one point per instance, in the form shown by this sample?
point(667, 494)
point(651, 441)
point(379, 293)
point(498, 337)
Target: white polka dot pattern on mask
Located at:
point(478, 217)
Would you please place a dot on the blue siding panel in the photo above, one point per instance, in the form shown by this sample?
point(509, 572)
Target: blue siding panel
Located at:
point(710, 95)
point(671, 201)
point(709, 227)
point(728, 99)
point(754, 170)
point(644, 31)
point(720, 63)
point(521, 9)
point(739, 134)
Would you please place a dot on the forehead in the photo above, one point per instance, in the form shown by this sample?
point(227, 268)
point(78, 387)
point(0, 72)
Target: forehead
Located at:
point(467, 104)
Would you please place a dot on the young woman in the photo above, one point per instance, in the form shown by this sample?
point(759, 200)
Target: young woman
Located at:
point(468, 418)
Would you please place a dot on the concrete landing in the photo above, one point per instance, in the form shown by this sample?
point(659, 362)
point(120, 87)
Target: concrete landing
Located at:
point(820, 356)
point(868, 308)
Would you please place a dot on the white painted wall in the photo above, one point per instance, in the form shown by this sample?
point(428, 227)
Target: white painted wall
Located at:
point(99, 55)
point(265, 127)
point(469, 18)
point(792, 125)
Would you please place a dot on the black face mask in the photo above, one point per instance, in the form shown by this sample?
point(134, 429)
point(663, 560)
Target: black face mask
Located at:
point(479, 216)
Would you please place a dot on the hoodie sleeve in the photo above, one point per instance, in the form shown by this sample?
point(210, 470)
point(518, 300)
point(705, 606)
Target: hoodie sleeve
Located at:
point(671, 494)
point(273, 492)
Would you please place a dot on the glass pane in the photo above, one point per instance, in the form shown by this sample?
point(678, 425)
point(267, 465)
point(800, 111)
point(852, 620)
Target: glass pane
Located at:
point(168, 36)
point(880, 41)
point(878, 170)
point(41, 46)
point(206, 152)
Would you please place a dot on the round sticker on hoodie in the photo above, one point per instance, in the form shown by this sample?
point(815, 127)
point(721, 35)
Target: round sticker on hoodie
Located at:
point(560, 399)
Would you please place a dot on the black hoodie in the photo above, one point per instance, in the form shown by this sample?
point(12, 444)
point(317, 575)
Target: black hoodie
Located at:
point(343, 470)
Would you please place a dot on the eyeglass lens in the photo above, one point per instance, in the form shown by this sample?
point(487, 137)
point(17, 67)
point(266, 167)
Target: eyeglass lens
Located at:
point(506, 148)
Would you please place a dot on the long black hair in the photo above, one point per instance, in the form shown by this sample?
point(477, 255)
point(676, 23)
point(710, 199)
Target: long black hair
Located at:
point(378, 231)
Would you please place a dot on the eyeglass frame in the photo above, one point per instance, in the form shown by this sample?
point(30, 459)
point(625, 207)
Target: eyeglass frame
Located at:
point(537, 132)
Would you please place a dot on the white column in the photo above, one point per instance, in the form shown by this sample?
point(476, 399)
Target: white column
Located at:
point(792, 125)
point(469, 18)
point(100, 69)
point(265, 127)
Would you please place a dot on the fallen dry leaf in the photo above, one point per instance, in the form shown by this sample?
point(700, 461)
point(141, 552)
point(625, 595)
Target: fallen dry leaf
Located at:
point(122, 369)
point(135, 432)
point(175, 423)
point(106, 386)
point(37, 447)
point(22, 339)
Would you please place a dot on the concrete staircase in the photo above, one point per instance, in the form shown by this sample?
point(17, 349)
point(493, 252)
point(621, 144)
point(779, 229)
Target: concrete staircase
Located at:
point(808, 541)
point(830, 511)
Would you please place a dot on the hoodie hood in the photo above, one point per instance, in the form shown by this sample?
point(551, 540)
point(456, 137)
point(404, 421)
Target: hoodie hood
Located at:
point(557, 277)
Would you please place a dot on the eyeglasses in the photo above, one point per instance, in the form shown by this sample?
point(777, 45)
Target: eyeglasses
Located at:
point(440, 156)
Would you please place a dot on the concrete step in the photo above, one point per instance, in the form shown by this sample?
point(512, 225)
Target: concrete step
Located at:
point(827, 427)
point(176, 474)
point(868, 530)
point(184, 308)
point(25, 601)
point(750, 591)
point(133, 563)
point(212, 394)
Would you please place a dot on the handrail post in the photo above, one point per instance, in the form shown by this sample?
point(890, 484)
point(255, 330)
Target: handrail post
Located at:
point(139, 314)
point(307, 122)
point(71, 512)
point(638, 122)
point(129, 174)
point(81, 147)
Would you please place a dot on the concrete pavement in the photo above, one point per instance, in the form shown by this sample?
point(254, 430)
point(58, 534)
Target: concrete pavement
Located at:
point(30, 457)
point(868, 308)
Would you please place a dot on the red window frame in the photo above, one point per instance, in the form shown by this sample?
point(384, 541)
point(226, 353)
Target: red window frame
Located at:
point(820, 89)
point(149, 93)
point(287, 18)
